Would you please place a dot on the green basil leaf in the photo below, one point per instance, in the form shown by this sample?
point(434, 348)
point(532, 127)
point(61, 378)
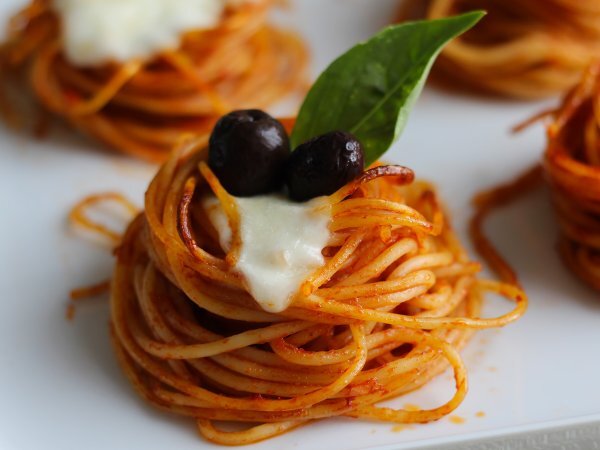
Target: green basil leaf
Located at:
point(370, 89)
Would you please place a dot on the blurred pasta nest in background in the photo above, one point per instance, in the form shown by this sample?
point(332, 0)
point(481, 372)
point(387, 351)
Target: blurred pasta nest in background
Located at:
point(572, 167)
point(141, 107)
point(525, 49)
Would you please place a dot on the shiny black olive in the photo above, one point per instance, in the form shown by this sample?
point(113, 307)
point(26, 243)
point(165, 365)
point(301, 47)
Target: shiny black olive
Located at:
point(323, 164)
point(247, 151)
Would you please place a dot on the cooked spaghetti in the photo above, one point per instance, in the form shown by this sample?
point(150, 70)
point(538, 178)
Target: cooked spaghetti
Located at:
point(142, 107)
point(572, 167)
point(525, 49)
point(395, 300)
point(488, 201)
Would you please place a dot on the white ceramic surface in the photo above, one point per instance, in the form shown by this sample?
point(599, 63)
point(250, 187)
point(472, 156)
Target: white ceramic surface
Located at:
point(62, 389)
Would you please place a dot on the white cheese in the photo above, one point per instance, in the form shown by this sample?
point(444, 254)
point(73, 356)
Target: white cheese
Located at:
point(99, 31)
point(281, 244)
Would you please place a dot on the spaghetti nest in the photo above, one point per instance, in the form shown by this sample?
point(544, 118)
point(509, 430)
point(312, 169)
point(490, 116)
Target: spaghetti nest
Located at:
point(141, 108)
point(395, 300)
point(524, 49)
point(572, 167)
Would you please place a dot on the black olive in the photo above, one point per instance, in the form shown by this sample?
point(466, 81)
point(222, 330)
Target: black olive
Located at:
point(247, 151)
point(323, 164)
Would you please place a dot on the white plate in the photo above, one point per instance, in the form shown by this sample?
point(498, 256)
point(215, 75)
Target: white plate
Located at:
point(62, 389)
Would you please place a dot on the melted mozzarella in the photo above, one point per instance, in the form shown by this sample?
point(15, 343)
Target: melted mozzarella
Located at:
point(281, 244)
point(100, 31)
